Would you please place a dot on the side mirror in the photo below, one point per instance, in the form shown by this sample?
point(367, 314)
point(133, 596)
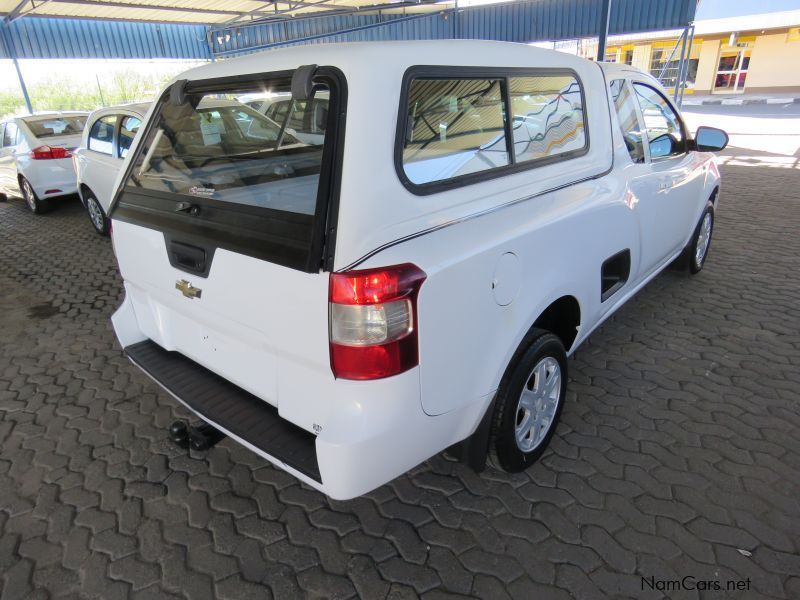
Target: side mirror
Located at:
point(662, 146)
point(710, 139)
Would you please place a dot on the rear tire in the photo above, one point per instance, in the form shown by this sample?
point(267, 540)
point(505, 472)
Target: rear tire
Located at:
point(529, 403)
point(97, 216)
point(33, 201)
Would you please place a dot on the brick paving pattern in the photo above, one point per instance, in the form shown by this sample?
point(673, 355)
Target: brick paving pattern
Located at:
point(678, 453)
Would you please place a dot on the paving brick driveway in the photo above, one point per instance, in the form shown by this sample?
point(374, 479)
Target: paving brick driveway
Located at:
point(678, 454)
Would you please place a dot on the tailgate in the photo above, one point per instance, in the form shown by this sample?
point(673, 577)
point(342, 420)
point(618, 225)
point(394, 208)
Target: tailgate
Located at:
point(219, 231)
point(250, 320)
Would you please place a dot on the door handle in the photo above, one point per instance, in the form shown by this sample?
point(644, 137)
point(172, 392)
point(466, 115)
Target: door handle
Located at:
point(187, 257)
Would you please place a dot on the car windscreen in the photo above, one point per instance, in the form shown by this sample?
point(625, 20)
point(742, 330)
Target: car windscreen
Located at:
point(46, 127)
point(241, 172)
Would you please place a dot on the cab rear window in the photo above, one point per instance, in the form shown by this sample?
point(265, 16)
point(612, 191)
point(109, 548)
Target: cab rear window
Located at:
point(214, 172)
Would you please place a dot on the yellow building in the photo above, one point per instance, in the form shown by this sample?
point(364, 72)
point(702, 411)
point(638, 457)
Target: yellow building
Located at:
point(754, 54)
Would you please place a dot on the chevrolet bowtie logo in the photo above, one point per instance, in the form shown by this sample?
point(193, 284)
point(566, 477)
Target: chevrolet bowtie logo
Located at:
point(187, 289)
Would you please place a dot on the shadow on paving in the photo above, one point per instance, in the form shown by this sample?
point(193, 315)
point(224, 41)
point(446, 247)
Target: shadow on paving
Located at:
point(678, 453)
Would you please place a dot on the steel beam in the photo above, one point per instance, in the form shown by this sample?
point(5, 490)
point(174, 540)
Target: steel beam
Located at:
point(669, 60)
point(681, 65)
point(11, 51)
point(323, 35)
point(605, 17)
point(275, 17)
point(268, 13)
point(128, 5)
point(15, 12)
point(686, 68)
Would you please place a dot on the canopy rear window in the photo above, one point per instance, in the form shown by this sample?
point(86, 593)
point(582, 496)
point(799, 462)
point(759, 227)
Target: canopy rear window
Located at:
point(225, 151)
point(214, 166)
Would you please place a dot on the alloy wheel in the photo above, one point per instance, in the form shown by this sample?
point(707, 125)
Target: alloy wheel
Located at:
point(95, 213)
point(703, 240)
point(28, 193)
point(538, 404)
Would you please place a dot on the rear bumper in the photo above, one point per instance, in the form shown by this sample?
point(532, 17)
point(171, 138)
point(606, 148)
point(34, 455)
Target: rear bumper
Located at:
point(51, 178)
point(376, 431)
point(237, 412)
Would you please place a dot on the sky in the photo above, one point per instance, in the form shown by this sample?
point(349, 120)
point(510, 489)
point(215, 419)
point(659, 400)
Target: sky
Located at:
point(718, 9)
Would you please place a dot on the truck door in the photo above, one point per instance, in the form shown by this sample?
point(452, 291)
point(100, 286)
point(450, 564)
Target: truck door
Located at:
point(669, 204)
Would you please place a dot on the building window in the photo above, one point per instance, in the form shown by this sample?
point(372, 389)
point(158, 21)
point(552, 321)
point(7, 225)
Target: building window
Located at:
point(732, 66)
point(628, 57)
point(664, 69)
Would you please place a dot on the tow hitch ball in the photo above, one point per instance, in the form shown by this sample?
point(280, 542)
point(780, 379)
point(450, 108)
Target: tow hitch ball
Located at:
point(198, 437)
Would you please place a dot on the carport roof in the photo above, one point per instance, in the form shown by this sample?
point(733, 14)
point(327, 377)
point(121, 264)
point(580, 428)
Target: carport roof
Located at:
point(192, 11)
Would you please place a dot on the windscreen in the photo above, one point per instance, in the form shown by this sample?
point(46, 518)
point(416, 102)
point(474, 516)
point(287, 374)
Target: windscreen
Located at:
point(46, 127)
point(218, 148)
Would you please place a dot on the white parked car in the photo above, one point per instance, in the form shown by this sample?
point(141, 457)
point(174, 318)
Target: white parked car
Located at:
point(106, 139)
point(35, 157)
point(416, 280)
point(308, 125)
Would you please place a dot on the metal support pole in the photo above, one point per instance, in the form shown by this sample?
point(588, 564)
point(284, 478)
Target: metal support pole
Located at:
point(605, 14)
point(686, 68)
point(669, 60)
point(12, 53)
point(456, 23)
point(681, 66)
point(210, 42)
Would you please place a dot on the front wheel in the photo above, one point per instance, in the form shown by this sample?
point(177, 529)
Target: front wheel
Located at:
point(96, 214)
point(529, 403)
point(701, 241)
point(33, 201)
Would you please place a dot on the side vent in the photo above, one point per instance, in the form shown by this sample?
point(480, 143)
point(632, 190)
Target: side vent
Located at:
point(614, 274)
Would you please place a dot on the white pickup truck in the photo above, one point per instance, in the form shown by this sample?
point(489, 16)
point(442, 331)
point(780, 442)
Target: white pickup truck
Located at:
point(416, 276)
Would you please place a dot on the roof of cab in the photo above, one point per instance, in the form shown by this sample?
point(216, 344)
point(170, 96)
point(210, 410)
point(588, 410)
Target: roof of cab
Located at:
point(139, 108)
point(612, 69)
point(377, 56)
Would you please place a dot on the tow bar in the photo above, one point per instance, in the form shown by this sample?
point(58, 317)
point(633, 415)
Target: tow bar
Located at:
point(197, 437)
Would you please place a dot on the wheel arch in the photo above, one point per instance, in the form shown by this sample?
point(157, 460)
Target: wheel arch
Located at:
point(82, 188)
point(561, 317)
point(714, 196)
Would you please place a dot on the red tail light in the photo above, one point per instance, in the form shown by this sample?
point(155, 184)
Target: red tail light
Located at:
point(50, 153)
point(373, 321)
